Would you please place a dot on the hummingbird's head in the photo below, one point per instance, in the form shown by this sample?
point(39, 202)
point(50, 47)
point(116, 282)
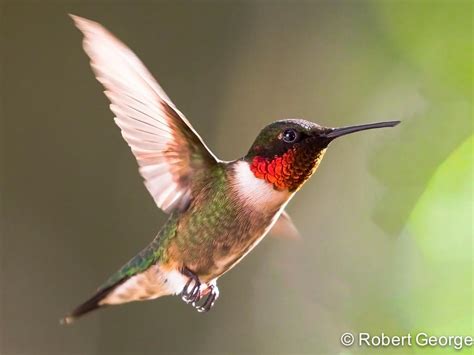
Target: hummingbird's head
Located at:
point(287, 152)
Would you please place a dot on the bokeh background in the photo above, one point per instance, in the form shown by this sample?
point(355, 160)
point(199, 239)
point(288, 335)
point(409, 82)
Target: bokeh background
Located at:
point(386, 222)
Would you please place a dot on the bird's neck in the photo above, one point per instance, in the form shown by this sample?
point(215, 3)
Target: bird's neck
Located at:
point(254, 192)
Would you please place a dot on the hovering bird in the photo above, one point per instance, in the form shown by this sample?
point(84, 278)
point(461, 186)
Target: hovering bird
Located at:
point(218, 211)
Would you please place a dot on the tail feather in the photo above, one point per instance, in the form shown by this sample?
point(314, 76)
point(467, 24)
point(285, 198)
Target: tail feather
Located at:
point(91, 304)
point(122, 288)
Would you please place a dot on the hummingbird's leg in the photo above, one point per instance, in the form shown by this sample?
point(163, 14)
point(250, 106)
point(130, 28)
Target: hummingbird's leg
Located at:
point(212, 294)
point(191, 294)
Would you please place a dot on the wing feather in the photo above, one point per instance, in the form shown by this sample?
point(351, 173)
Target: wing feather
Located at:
point(167, 148)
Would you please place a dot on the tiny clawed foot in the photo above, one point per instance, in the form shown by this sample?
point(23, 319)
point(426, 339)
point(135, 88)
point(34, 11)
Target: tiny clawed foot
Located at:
point(210, 299)
point(191, 294)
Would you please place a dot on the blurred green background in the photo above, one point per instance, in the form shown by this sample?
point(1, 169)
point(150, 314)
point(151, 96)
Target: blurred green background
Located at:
point(387, 222)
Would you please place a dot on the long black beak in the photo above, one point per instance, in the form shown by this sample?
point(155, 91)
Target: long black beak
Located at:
point(338, 132)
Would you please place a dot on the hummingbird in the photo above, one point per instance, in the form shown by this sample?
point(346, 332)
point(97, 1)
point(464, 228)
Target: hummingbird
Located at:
point(218, 210)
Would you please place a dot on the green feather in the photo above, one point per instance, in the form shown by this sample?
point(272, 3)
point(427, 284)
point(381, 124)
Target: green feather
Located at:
point(155, 251)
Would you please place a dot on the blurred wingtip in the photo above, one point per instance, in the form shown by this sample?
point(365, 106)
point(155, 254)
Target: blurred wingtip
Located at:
point(284, 228)
point(83, 23)
point(66, 320)
point(76, 19)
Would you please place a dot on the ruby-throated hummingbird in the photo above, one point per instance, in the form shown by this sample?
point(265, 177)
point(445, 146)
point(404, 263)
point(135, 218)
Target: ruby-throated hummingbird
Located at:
point(218, 211)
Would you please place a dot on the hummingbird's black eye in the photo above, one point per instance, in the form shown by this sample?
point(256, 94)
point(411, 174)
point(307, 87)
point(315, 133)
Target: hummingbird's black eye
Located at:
point(290, 136)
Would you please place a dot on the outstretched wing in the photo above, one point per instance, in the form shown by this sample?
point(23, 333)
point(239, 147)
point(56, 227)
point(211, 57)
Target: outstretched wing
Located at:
point(167, 148)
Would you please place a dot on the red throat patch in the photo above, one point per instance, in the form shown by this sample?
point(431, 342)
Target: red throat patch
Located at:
point(277, 171)
point(286, 171)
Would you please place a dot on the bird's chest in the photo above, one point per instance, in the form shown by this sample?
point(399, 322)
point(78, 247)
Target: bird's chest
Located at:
point(229, 221)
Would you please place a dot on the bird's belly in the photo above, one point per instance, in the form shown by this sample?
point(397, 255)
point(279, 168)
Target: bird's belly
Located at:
point(225, 262)
point(226, 255)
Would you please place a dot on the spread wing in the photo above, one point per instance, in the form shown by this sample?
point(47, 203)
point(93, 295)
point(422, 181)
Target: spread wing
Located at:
point(168, 150)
